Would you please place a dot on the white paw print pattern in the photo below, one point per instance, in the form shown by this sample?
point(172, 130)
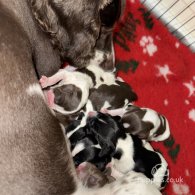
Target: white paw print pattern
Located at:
point(191, 115)
point(181, 189)
point(147, 42)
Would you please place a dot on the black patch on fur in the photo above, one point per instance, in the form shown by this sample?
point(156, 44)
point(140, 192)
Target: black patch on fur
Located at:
point(67, 96)
point(114, 94)
point(144, 159)
point(101, 129)
point(134, 116)
point(110, 13)
point(118, 154)
point(89, 73)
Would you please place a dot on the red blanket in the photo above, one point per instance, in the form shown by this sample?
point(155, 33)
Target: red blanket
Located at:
point(162, 72)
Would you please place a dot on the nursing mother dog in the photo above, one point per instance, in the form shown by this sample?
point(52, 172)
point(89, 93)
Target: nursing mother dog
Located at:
point(36, 36)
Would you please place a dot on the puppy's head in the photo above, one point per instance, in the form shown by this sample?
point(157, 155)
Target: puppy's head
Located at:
point(91, 176)
point(133, 122)
point(77, 27)
point(67, 96)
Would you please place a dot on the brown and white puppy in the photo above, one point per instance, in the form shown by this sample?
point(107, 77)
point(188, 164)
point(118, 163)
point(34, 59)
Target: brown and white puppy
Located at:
point(34, 156)
point(143, 122)
point(92, 177)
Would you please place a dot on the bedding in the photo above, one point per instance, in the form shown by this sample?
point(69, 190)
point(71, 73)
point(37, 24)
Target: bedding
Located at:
point(161, 70)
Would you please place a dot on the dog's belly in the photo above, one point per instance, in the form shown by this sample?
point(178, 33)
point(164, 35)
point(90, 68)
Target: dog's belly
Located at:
point(34, 156)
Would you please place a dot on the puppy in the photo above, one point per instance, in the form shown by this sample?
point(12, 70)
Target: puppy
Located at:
point(143, 122)
point(112, 96)
point(92, 177)
point(132, 155)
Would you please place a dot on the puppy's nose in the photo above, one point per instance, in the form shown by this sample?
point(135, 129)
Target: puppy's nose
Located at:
point(92, 114)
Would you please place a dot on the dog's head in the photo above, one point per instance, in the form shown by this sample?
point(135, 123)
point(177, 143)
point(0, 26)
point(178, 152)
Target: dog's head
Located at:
point(78, 27)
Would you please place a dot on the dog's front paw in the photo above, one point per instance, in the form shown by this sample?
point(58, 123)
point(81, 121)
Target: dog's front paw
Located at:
point(44, 81)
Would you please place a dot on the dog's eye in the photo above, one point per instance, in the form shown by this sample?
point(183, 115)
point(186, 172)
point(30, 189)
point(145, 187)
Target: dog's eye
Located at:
point(94, 25)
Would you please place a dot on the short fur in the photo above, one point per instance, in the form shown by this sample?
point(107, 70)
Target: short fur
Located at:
point(132, 155)
point(92, 177)
point(93, 139)
point(110, 94)
point(143, 122)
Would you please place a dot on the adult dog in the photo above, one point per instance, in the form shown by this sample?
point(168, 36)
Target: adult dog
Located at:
point(36, 35)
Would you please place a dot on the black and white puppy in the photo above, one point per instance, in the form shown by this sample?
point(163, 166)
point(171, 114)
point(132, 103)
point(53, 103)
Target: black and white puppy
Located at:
point(93, 139)
point(113, 96)
point(132, 155)
point(143, 122)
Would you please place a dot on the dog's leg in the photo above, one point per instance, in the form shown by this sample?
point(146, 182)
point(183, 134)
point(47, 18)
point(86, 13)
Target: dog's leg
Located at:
point(34, 155)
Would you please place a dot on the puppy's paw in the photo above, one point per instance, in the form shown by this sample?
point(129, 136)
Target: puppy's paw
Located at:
point(104, 110)
point(44, 81)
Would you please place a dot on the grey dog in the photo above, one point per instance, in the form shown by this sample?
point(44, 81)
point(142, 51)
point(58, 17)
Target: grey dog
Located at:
point(36, 36)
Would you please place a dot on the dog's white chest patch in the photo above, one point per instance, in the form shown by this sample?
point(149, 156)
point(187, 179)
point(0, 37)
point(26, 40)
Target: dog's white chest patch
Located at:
point(35, 89)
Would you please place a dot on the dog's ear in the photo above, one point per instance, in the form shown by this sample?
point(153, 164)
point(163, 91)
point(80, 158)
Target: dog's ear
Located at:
point(48, 22)
point(44, 15)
